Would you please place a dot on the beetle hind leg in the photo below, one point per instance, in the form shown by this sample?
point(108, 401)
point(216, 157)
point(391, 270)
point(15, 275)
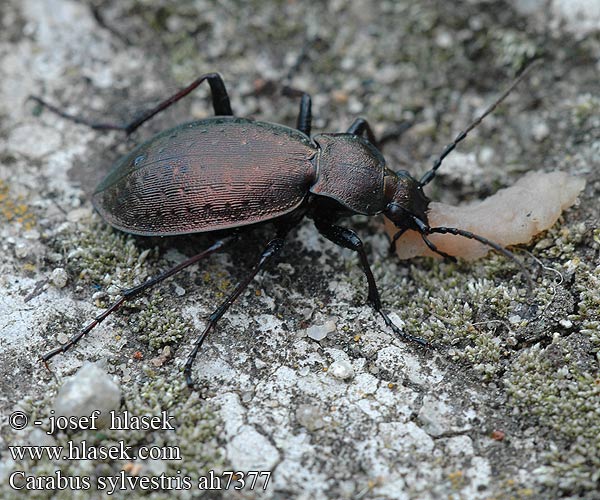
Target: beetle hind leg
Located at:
point(129, 294)
point(347, 238)
point(220, 101)
point(272, 249)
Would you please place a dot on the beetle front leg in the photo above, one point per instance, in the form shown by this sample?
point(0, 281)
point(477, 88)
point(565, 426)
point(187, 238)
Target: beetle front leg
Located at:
point(220, 100)
point(273, 248)
point(347, 238)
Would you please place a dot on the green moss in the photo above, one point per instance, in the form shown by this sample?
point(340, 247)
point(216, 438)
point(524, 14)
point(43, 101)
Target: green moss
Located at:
point(196, 437)
point(98, 254)
point(465, 308)
point(562, 397)
point(558, 386)
point(160, 326)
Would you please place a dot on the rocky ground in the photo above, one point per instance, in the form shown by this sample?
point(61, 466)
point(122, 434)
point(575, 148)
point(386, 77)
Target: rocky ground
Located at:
point(504, 401)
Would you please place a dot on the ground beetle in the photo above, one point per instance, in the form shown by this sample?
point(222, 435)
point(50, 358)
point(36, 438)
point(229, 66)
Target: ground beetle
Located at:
point(224, 173)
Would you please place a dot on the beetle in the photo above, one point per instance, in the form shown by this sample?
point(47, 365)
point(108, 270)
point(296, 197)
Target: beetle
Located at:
point(226, 173)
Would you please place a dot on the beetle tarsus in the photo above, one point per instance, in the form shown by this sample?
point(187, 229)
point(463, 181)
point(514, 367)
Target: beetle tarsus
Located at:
point(220, 100)
point(347, 238)
point(187, 369)
point(129, 294)
point(396, 329)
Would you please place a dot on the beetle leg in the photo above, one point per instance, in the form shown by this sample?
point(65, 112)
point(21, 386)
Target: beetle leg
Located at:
point(304, 121)
point(347, 238)
point(395, 238)
point(74, 118)
point(272, 249)
point(220, 101)
point(130, 293)
point(361, 127)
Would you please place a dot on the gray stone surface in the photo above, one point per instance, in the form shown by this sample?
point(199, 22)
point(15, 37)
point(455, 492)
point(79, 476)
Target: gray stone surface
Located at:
point(503, 404)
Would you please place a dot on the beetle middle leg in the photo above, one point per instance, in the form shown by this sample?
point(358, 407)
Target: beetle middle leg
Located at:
point(347, 238)
point(272, 249)
point(220, 100)
point(130, 293)
point(361, 127)
point(304, 120)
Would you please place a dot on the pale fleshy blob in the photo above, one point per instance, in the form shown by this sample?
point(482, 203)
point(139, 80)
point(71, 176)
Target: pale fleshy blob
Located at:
point(511, 216)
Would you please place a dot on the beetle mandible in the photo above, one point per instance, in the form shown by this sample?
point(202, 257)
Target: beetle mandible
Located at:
point(225, 173)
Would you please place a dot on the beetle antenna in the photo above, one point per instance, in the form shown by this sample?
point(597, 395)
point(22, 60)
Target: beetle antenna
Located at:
point(485, 241)
point(430, 174)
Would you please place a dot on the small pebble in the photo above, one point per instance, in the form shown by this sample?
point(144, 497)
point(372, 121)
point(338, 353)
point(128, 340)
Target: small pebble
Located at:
point(319, 332)
point(32, 234)
point(54, 257)
point(341, 369)
point(22, 250)
point(90, 389)
point(59, 277)
point(79, 214)
point(486, 155)
point(514, 319)
point(99, 296)
point(540, 131)
point(304, 370)
point(309, 417)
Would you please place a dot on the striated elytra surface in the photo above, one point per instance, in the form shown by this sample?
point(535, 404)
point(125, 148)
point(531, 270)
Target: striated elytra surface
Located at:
point(208, 175)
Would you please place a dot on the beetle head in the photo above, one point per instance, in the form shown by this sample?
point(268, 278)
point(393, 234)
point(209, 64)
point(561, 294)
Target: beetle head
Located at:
point(408, 203)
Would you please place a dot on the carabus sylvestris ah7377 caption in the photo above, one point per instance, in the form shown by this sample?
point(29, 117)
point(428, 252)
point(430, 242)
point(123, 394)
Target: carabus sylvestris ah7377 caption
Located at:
point(224, 173)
